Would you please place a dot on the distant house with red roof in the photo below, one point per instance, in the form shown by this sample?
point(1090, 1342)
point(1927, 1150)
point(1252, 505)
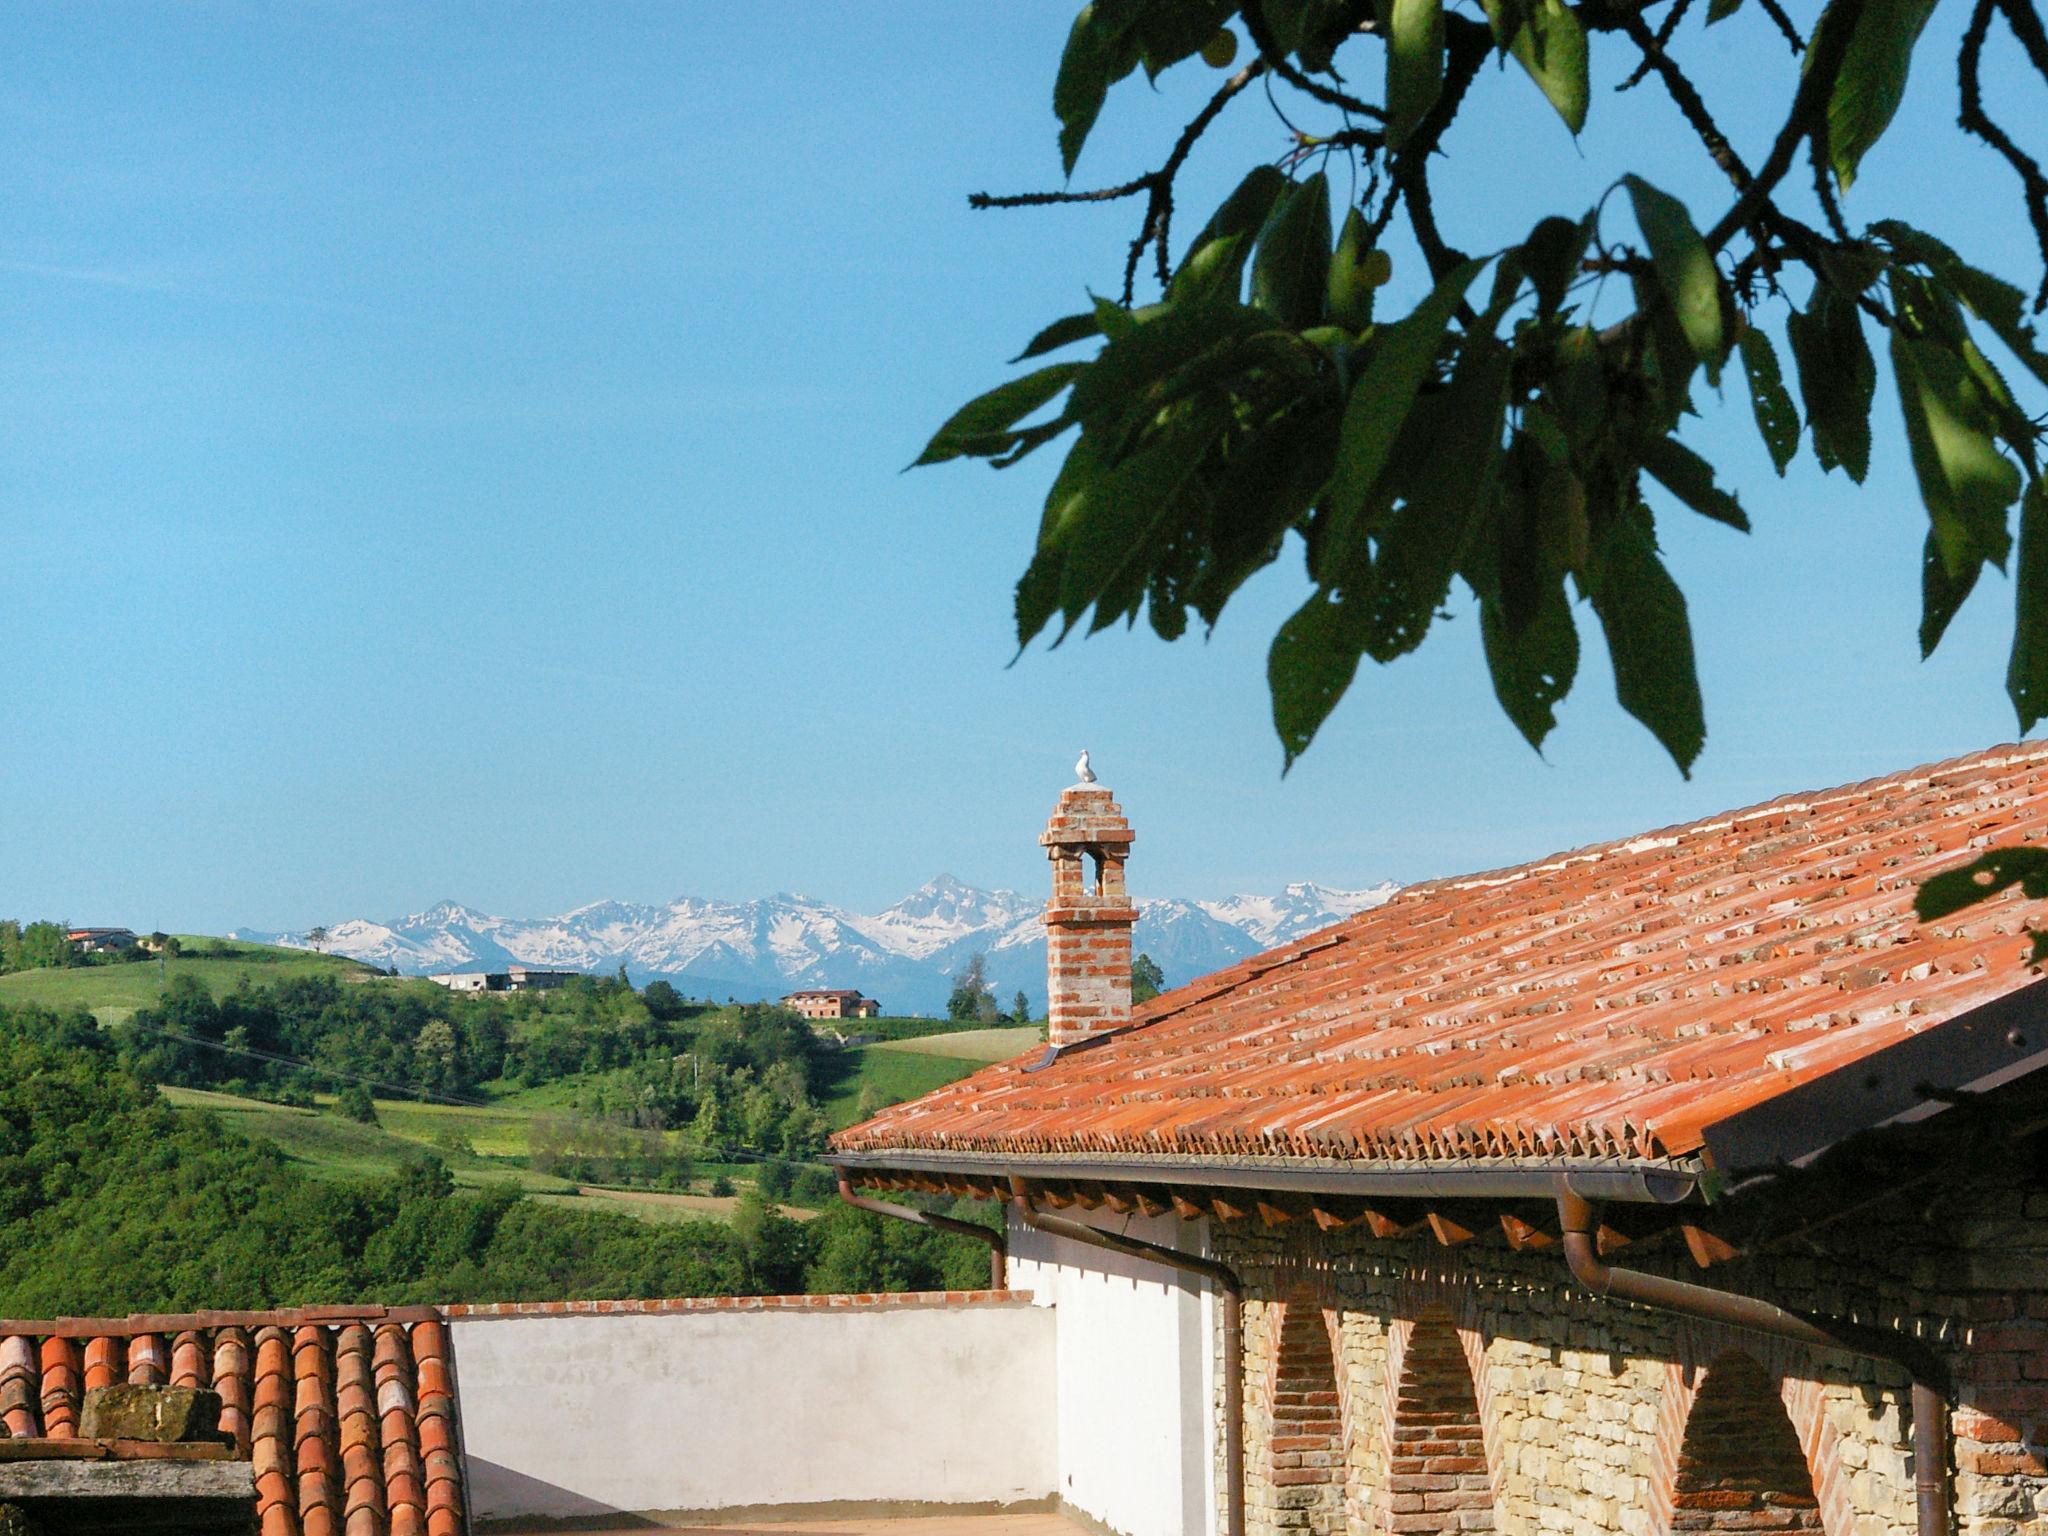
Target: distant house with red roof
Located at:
point(832, 1003)
point(101, 941)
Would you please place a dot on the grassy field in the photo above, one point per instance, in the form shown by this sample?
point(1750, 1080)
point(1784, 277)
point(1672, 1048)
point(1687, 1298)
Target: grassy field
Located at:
point(331, 1147)
point(893, 1075)
point(978, 1046)
point(113, 992)
point(336, 1148)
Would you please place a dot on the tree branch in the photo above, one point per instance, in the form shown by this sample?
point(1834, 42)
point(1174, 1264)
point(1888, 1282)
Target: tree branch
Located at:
point(1664, 36)
point(1975, 120)
point(1468, 44)
point(1276, 60)
point(1687, 99)
point(2026, 26)
point(1777, 14)
point(1830, 47)
point(1157, 185)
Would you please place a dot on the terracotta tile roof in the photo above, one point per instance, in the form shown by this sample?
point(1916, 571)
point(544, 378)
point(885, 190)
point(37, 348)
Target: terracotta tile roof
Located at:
point(347, 1416)
point(1612, 1002)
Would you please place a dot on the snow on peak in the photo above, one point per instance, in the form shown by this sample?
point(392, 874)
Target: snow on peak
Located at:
point(765, 947)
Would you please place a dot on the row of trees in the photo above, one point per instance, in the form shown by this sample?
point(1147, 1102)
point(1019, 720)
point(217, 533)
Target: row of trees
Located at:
point(43, 945)
point(743, 1078)
point(973, 999)
point(111, 1202)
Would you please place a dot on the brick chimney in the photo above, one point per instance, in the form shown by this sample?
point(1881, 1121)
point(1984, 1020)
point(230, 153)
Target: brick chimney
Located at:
point(1088, 920)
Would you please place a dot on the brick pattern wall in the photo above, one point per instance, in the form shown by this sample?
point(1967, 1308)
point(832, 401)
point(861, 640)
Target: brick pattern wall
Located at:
point(1598, 1418)
point(1436, 1470)
point(1740, 1467)
point(1301, 1481)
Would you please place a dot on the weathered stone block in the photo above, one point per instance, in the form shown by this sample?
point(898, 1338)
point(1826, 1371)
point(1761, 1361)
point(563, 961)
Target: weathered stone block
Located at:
point(166, 1414)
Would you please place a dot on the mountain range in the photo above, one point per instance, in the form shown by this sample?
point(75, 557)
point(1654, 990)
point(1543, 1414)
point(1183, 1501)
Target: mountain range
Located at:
point(905, 955)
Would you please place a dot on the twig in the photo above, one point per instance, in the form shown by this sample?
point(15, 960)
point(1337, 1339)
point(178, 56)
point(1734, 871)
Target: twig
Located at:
point(1974, 120)
point(1664, 36)
point(1469, 44)
point(2026, 26)
point(1831, 46)
point(1276, 60)
point(1157, 185)
point(1777, 14)
point(1038, 199)
point(1824, 181)
point(1687, 99)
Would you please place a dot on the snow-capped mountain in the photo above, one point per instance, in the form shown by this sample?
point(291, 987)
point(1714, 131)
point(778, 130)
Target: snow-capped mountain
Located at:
point(905, 955)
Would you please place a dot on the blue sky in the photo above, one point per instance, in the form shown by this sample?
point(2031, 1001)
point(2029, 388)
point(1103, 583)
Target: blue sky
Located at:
point(454, 451)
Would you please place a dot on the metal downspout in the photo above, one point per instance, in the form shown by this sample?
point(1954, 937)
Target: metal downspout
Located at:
point(1581, 1223)
point(1227, 1285)
point(998, 1245)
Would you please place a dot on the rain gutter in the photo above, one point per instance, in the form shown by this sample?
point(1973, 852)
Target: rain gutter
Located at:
point(998, 1246)
point(1580, 1218)
point(1647, 1183)
point(1228, 1287)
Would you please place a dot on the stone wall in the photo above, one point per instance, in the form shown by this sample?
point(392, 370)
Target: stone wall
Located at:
point(1478, 1388)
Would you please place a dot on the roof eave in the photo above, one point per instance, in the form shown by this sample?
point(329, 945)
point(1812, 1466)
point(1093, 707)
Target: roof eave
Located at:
point(1664, 1182)
point(1958, 1059)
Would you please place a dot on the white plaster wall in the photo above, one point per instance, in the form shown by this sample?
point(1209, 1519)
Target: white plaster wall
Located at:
point(1136, 1375)
point(584, 1416)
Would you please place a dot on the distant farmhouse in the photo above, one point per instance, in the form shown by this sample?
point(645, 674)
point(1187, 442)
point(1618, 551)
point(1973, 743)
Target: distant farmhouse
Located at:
point(102, 941)
point(833, 1003)
point(516, 978)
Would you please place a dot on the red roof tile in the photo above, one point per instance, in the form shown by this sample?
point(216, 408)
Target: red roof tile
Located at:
point(1612, 1002)
point(348, 1421)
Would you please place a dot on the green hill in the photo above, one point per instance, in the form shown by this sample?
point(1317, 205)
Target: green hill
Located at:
point(113, 992)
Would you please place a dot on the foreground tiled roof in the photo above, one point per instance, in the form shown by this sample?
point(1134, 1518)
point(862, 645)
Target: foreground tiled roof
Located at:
point(1612, 1002)
point(347, 1416)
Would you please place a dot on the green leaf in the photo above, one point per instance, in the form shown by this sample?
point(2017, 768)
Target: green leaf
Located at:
point(1548, 41)
point(1175, 30)
point(1097, 55)
point(1268, 485)
point(1415, 65)
point(1384, 391)
point(1532, 666)
point(1940, 594)
point(1953, 890)
point(1966, 483)
point(1872, 82)
point(1777, 419)
point(1214, 267)
point(1349, 299)
point(1148, 352)
point(1314, 658)
point(1212, 271)
point(982, 427)
point(1649, 637)
point(1525, 617)
point(1063, 332)
point(2026, 678)
point(1447, 463)
point(1991, 299)
point(1104, 533)
point(1837, 379)
point(1691, 479)
point(1721, 10)
point(1685, 270)
point(1291, 270)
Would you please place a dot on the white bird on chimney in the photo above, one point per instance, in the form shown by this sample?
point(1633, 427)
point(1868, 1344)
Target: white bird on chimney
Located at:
point(1082, 772)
